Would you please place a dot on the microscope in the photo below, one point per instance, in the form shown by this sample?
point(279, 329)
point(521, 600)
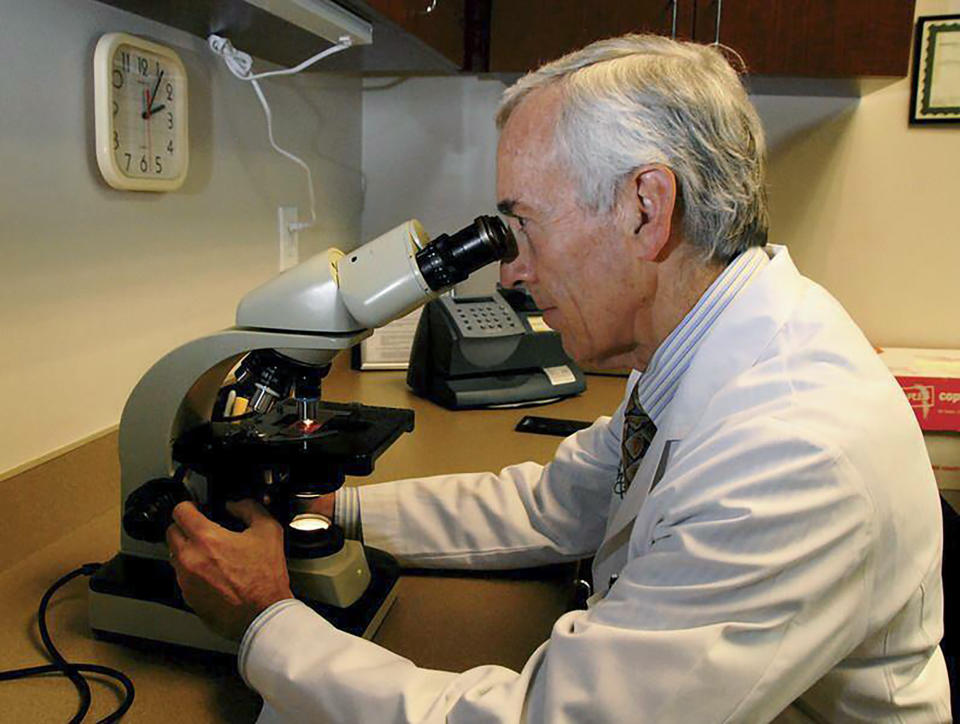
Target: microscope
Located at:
point(238, 414)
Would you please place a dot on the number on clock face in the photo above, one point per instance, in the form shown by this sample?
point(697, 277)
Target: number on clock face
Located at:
point(144, 96)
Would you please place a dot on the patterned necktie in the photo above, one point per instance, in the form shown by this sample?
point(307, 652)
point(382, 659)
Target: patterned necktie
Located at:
point(638, 432)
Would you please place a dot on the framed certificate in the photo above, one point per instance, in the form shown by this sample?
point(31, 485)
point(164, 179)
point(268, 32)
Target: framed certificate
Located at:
point(935, 93)
point(389, 347)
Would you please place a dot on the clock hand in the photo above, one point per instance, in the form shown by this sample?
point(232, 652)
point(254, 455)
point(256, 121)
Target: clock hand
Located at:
point(146, 117)
point(153, 95)
point(147, 114)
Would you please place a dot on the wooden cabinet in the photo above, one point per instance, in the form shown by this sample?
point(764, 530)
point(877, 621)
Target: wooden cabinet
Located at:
point(526, 33)
point(809, 38)
point(812, 38)
point(406, 38)
point(801, 38)
point(440, 24)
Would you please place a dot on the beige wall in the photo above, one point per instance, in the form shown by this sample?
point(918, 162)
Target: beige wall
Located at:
point(870, 208)
point(96, 284)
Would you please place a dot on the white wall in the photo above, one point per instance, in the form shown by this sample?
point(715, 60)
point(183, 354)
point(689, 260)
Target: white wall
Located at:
point(429, 152)
point(96, 284)
point(866, 203)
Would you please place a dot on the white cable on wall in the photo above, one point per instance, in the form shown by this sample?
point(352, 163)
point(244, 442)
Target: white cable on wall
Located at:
point(240, 64)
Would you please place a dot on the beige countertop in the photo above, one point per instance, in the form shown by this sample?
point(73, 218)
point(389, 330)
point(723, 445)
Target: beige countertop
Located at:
point(440, 621)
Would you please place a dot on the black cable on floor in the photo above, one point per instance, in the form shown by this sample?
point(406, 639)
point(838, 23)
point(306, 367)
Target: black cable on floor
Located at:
point(73, 671)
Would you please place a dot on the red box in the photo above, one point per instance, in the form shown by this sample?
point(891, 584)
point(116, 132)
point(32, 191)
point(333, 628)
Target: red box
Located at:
point(930, 378)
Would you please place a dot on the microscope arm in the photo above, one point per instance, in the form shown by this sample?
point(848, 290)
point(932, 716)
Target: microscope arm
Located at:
point(156, 412)
point(309, 313)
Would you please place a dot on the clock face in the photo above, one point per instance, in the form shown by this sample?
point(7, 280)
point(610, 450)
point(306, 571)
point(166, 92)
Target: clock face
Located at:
point(141, 114)
point(145, 92)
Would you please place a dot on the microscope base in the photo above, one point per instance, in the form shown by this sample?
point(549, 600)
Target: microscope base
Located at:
point(137, 598)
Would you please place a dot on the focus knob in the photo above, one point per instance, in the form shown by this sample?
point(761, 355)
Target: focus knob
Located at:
point(148, 511)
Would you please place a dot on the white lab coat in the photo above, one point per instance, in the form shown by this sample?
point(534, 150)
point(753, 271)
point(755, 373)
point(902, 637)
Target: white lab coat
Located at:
point(780, 544)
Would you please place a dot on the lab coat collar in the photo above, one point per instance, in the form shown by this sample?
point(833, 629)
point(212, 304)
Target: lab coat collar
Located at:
point(737, 340)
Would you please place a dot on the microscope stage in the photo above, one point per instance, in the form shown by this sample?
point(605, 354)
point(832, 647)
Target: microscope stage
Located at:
point(349, 437)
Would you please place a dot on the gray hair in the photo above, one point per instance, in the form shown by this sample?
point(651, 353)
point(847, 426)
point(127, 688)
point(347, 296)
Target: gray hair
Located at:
point(641, 99)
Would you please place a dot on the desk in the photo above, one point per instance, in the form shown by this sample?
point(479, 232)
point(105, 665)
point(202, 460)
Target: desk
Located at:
point(439, 621)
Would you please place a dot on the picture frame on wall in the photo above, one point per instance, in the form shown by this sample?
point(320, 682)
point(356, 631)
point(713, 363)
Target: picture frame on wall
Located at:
point(388, 348)
point(935, 89)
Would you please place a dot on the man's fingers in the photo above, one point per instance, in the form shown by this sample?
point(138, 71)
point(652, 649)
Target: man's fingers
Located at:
point(190, 520)
point(248, 511)
point(324, 505)
point(176, 540)
point(181, 555)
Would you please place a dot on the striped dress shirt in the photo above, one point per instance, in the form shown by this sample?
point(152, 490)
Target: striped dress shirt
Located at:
point(659, 382)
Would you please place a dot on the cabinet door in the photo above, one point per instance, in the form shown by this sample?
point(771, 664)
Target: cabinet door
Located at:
point(526, 33)
point(814, 38)
point(438, 23)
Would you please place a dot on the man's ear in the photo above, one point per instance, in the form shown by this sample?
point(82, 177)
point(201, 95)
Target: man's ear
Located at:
point(651, 195)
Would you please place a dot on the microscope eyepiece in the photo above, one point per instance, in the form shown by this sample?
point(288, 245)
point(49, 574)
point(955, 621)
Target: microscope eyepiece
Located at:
point(450, 259)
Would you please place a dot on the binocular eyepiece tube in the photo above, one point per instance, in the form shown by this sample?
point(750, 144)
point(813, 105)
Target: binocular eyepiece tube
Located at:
point(400, 270)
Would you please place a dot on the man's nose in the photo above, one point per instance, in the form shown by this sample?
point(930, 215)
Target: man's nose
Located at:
point(516, 272)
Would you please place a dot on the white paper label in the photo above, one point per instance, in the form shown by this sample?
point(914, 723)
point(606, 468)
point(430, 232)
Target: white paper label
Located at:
point(559, 375)
point(537, 324)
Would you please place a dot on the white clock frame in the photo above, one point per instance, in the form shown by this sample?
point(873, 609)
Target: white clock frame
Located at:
point(102, 70)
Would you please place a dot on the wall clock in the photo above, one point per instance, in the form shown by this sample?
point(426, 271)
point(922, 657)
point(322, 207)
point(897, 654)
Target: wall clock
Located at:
point(140, 101)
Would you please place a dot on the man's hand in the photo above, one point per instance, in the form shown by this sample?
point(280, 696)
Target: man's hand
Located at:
point(324, 505)
point(228, 578)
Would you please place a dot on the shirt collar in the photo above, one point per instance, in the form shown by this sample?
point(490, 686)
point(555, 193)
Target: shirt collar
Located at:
point(658, 383)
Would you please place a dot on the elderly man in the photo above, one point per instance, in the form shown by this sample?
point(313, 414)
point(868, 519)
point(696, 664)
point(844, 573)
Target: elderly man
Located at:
point(761, 508)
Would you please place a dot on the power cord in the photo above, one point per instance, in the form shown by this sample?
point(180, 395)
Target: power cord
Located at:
point(72, 671)
point(240, 64)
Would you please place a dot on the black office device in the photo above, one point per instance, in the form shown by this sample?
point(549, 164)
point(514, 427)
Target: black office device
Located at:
point(486, 351)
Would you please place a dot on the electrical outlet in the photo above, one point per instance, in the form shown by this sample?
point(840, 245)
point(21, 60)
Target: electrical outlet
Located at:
point(289, 241)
